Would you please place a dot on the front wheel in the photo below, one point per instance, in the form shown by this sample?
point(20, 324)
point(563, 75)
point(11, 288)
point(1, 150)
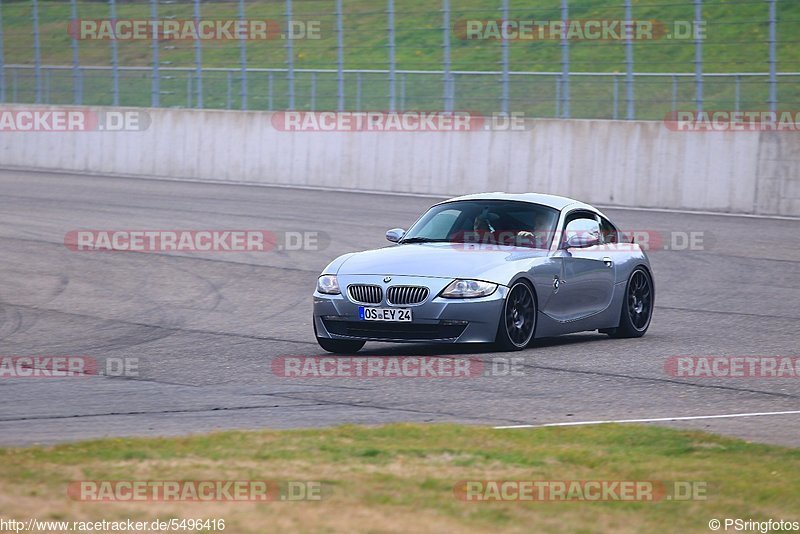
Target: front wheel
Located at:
point(637, 308)
point(518, 320)
point(340, 346)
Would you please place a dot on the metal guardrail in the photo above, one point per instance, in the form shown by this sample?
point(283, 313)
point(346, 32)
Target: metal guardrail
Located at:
point(560, 93)
point(60, 89)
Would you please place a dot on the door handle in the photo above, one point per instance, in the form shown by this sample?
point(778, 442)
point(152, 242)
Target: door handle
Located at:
point(607, 260)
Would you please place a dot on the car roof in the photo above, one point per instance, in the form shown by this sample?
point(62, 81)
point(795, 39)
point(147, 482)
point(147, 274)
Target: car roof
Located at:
point(552, 201)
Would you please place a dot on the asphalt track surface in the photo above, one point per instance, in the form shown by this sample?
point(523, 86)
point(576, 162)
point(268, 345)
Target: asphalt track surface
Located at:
point(205, 327)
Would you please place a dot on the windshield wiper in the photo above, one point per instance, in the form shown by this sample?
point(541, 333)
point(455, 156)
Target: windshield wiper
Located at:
point(422, 240)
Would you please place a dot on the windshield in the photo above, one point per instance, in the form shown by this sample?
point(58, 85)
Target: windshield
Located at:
point(496, 222)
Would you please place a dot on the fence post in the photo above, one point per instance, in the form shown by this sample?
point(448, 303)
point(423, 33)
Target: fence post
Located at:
point(243, 57)
point(738, 96)
point(504, 60)
point(114, 58)
point(358, 91)
point(339, 56)
point(73, 13)
point(446, 64)
point(2, 60)
point(615, 111)
point(198, 59)
point(289, 55)
point(402, 92)
point(155, 83)
point(270, 92)
point(674, 92)
point(313, 91)
point(773, 60)
point(630, 112)
point(229, 93)
point(392, 65)
point(558, 96)
point(37, 53)
point(698, 54)
point(565, 59)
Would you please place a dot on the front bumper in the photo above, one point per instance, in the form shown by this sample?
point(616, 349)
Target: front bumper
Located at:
point(436, 320)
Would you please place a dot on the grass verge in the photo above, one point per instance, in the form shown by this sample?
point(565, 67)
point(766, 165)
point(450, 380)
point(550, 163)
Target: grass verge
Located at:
point(402, 476)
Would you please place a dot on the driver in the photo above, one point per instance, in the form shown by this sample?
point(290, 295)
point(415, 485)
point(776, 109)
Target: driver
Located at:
point(483, 231)
point(538, 237)
point(481, 224)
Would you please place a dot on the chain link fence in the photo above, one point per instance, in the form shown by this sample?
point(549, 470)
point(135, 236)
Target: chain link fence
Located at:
point(553, 58)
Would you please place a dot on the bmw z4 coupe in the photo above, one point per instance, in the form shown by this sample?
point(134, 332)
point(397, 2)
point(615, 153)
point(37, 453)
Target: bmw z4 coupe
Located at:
point(488, 268)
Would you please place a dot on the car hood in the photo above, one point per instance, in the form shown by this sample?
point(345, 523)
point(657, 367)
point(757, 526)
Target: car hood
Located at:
point(440, 260)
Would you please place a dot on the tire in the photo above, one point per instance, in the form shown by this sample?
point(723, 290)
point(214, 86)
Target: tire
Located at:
point(637, 306)
point(338, 346)
point(517, 322)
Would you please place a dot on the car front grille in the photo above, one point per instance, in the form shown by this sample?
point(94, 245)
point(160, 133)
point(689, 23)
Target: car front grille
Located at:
point(405, 295)
point(365, 294)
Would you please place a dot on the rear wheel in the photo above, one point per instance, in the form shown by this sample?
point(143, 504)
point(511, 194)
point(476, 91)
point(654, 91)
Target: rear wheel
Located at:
point(518, 320)
point(637, 308)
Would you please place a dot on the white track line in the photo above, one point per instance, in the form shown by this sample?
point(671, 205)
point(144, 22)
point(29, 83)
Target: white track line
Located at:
point(651, 420)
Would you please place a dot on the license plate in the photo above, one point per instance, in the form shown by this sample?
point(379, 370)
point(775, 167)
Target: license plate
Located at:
point(394, 315)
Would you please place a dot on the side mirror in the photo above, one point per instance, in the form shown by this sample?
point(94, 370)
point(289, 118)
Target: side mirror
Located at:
point(395, 234)
point(582, 233)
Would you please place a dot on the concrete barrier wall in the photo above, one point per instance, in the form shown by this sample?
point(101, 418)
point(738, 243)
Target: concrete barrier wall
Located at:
point(625, 163)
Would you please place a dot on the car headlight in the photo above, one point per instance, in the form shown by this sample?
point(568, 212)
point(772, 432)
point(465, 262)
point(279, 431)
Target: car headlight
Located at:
point(328, 284)
point(467, 289)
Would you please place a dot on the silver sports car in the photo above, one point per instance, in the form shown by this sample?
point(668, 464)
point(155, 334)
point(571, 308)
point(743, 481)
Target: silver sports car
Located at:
point(488, 268)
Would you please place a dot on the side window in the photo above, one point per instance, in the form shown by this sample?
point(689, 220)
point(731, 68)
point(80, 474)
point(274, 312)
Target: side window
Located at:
point(608, 231)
